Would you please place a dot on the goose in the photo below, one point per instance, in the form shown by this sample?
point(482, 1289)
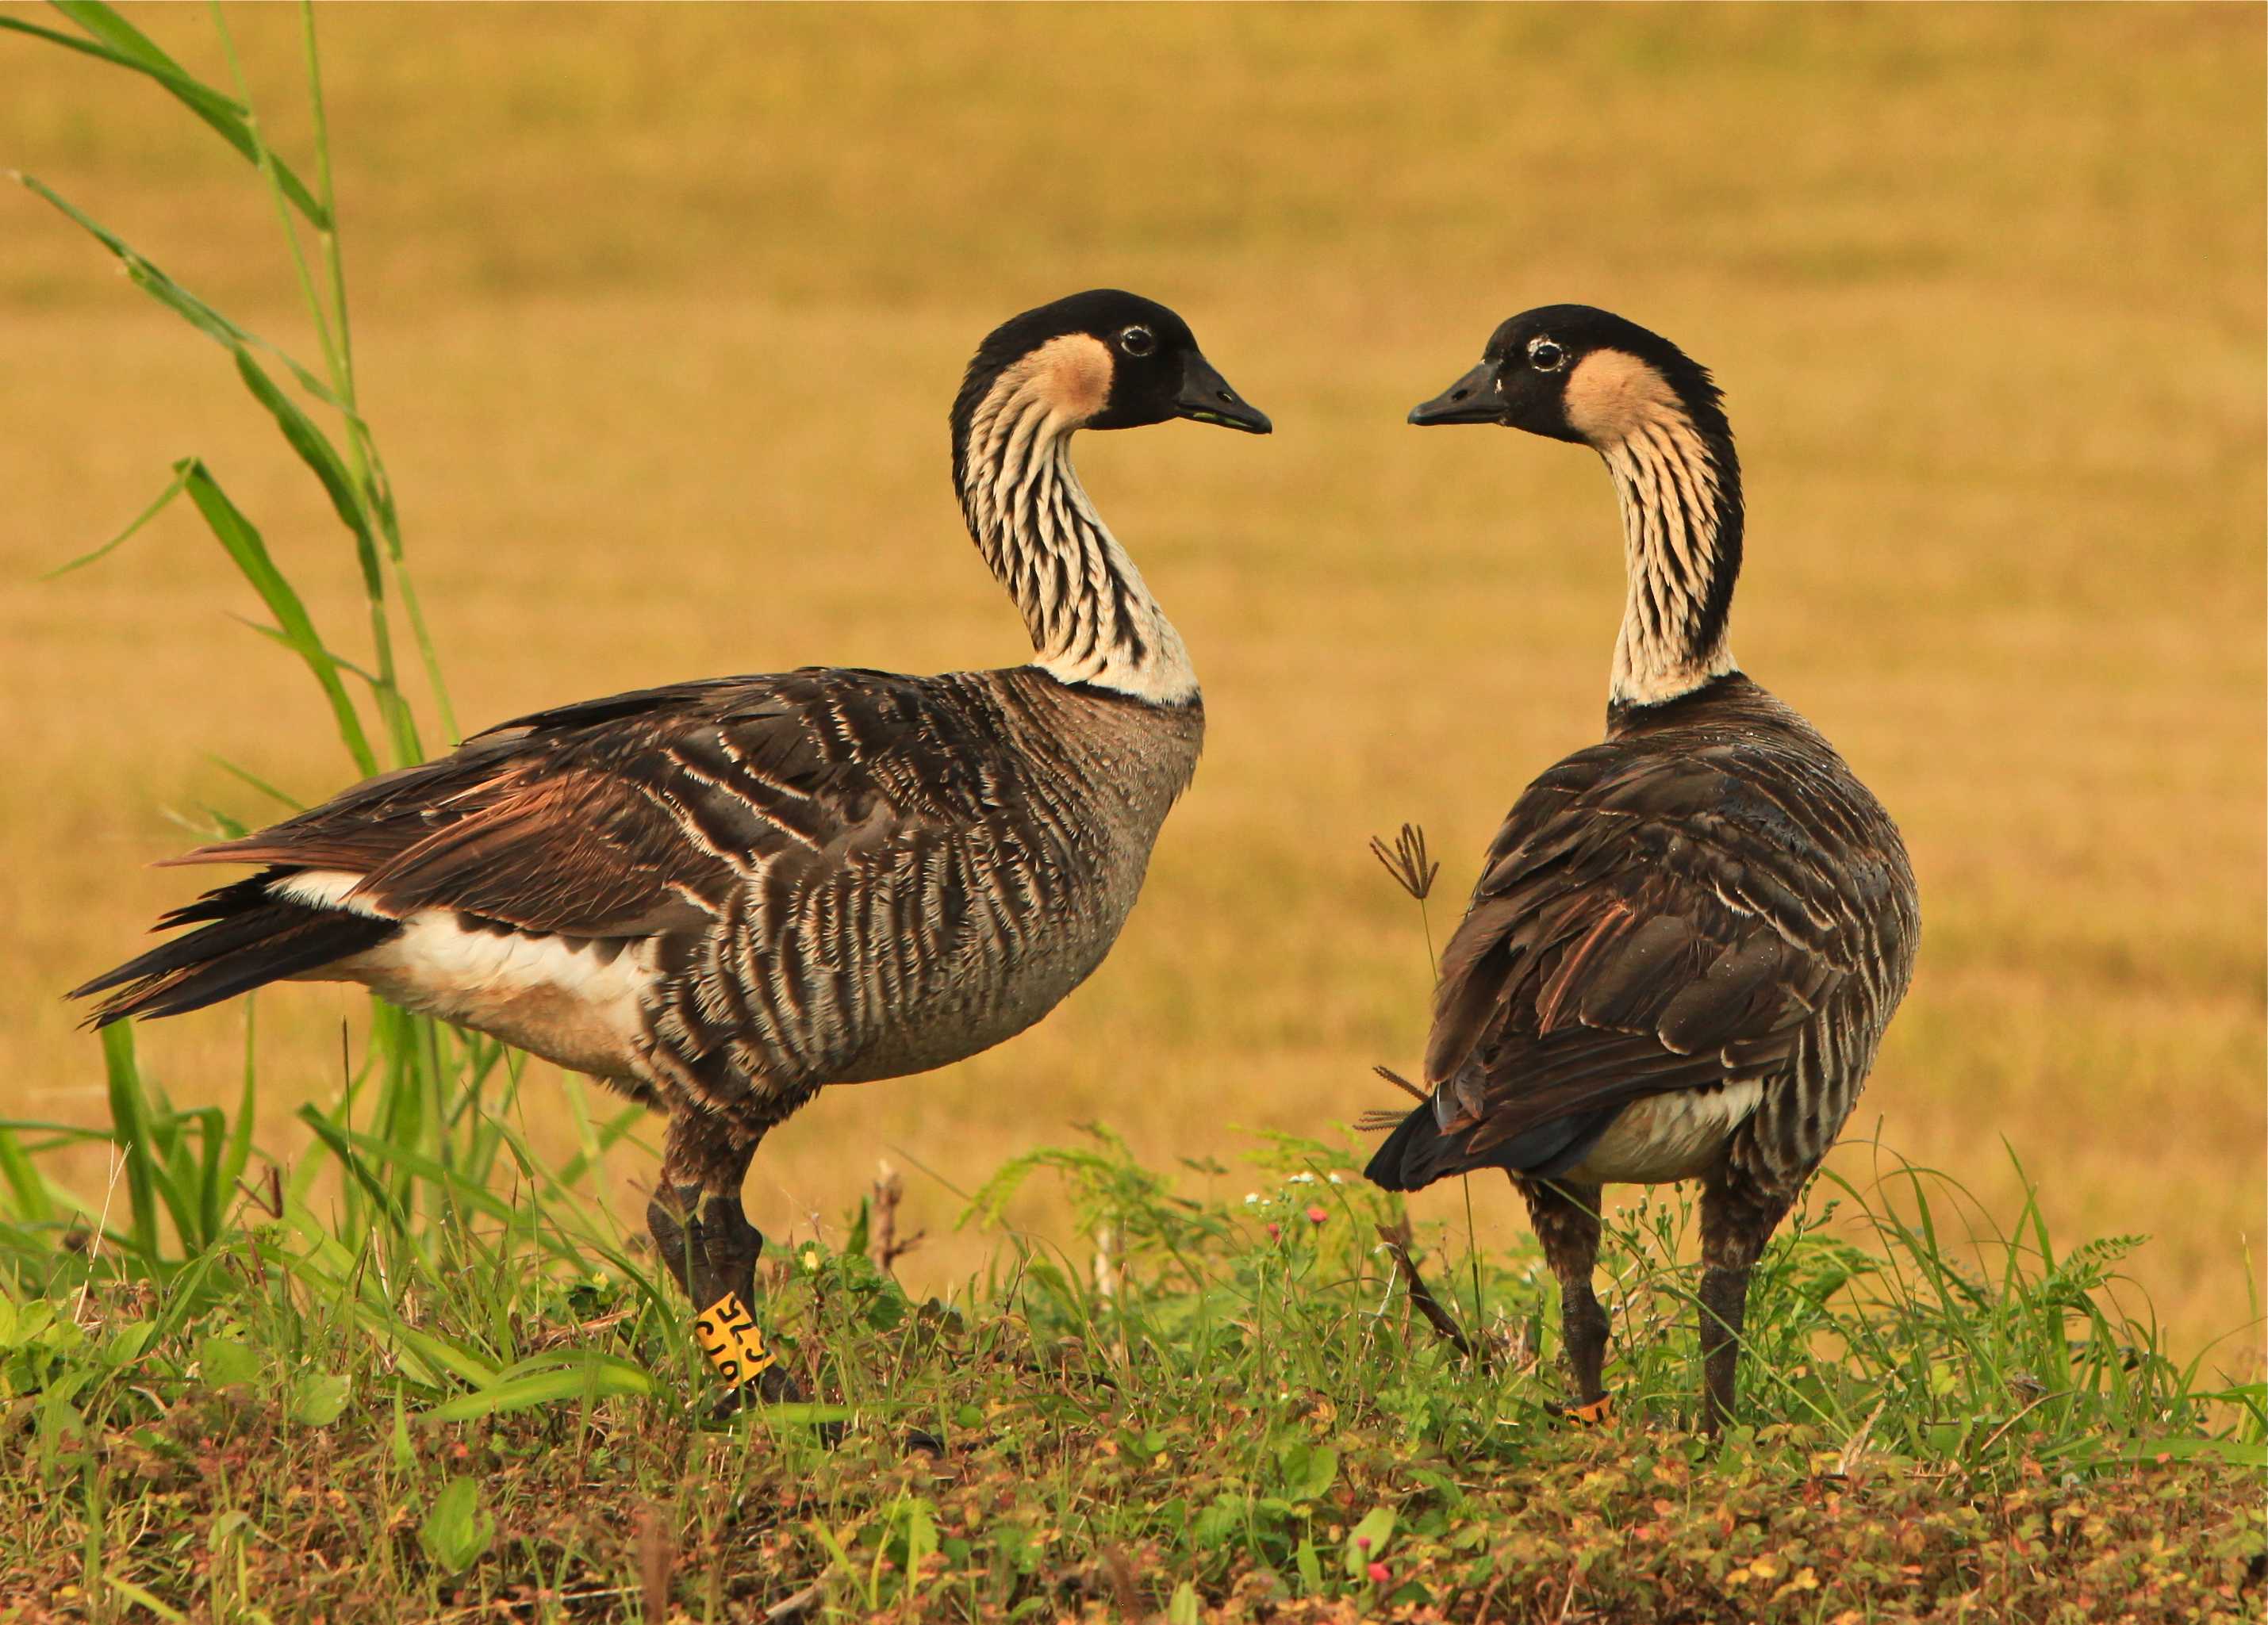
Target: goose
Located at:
point(722, 896)
point(1686, 941)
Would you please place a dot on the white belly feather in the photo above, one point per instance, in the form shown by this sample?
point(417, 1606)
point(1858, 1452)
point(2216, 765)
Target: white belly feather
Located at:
point(564, 998)
point(1667, 1136)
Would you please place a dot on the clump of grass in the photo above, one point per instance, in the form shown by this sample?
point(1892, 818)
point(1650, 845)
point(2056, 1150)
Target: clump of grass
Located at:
point(1243, 1406)
point(415, 1339)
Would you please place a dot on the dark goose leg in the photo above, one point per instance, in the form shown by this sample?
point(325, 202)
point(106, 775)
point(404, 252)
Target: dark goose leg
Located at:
point(704, 1239)
point(1566, 1220)
point(1736, 1220)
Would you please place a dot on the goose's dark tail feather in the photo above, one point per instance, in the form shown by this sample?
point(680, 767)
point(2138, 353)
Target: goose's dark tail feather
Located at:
point(248, 938)
point(1418, 1152)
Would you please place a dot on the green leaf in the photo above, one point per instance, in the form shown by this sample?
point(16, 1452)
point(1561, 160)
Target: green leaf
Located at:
point(245, 775)
point(227, 1363)
point(126, 1342)
point(1183, 1609)
point(171, 490)
point(2234, 1451)
point(318, 1398)
point(242, 542)
point(1368, 1539)
point(547, 1379)
point(802, 1416)
point(920, 1538)
point(1220, 1522)
point(136, 1594)
point(59, 1425)
point(27, 1187)
point(225, 1526)
point(118, 41)
point(228, 1165)
point(456, 1531)
point(398, 1444)
point(1307, 1470)
point(154, 282)
point(835, 1549)
point(316, 450)
point(435, 1354)
point(131, 1132)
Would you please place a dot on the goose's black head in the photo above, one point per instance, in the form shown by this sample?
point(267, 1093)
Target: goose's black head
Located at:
point(1103, 359)
point(1575, 372)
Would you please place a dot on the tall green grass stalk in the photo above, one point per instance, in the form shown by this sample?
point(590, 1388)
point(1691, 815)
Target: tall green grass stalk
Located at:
point(417, 1126)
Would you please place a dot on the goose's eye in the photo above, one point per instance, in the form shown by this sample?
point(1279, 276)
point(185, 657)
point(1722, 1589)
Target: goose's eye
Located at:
point(1137, 340)
point(1545, 357)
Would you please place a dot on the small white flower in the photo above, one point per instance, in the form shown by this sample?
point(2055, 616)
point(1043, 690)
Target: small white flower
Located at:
point(1336, 1179)
point(1301, 1178)
point(1251, 1198)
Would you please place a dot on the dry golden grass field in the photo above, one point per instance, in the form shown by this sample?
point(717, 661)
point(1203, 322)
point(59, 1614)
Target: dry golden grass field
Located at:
point(660, 311)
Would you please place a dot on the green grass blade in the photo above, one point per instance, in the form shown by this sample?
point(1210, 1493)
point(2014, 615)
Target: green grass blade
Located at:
point(438, 1353)
point(397, 1214)
point(27, 1190)
point(245, 775)
point(131, 1132)
point(172, 488)
point(185, 1170)
point(153, 281)
point(118, 41)
point(140, 1597)
point(352, 668)
point(242, 542)
point(548, 1379)
point(597, 1139)
point(315, 450)
point(228, 1145)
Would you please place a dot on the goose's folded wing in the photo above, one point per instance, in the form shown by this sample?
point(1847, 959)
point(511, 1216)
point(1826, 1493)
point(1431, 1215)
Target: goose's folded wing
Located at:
point(637, 813)
point(1620, 943)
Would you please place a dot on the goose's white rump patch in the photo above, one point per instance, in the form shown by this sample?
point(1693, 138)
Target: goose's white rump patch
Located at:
point(567, 999)
point(1667, 1136)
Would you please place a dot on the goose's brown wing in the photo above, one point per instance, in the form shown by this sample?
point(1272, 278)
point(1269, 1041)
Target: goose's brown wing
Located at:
point(1620, 943)
point(636, 814)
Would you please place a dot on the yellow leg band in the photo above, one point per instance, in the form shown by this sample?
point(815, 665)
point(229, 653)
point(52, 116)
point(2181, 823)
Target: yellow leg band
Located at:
point(1598, 1411)
point(727, 1334)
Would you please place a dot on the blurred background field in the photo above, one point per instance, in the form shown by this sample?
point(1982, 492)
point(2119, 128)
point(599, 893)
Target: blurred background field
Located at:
point(659, 312)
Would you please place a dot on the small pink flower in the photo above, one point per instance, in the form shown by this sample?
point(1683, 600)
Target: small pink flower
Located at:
point(1380, 1574)
point(1275, 1233)
point(1316, 1215)
point(1362, 1543)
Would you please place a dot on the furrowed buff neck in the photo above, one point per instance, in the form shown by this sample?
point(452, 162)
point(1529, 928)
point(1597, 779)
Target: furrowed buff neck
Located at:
point(1670, 453)
point(1091, 617)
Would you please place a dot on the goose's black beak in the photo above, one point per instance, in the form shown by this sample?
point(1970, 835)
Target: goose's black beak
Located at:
point(1472, 399)
point(1206, 397)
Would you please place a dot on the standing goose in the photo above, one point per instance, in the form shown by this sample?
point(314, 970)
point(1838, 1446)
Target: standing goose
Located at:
point(1686, 942)
point(721, 896)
